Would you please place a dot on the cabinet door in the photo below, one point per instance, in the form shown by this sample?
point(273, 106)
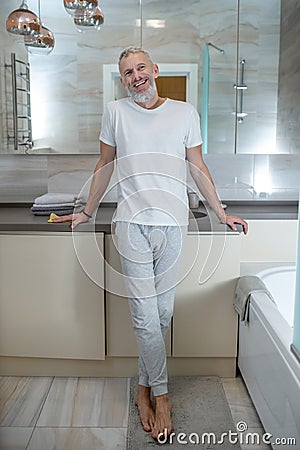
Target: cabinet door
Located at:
point(204, 322)
point(49, 305)
point(121, 340)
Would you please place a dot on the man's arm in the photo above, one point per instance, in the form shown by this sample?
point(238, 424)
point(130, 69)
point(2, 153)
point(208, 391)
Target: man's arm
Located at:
point(205, 184)
point(102, 175)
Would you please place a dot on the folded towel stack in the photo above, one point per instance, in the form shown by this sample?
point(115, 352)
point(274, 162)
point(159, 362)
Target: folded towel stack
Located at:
point(55, 202)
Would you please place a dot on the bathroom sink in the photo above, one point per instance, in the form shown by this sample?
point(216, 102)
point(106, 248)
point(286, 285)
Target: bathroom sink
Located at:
point(197, 221)
point(197, 214)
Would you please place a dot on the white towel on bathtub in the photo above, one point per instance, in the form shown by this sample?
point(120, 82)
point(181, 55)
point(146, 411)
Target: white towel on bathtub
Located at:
point(246, 286)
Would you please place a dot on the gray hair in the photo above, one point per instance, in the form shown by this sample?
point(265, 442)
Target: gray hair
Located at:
point(129, 50)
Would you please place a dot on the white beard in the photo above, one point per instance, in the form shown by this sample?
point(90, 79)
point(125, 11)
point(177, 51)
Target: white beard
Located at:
point(142, 98)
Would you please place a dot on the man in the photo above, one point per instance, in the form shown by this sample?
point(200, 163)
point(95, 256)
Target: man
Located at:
point(151, 138)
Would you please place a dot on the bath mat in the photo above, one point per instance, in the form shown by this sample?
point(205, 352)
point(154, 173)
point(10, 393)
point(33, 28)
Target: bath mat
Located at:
point(199, 407)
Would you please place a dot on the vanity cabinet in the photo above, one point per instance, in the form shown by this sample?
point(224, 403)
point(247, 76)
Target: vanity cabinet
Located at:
point(121, 340)
point(204, 322)
point(58, 309)
point(49, 305)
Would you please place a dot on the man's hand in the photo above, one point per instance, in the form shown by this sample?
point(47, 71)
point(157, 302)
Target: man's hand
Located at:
point(75, 219)
point(232, 220)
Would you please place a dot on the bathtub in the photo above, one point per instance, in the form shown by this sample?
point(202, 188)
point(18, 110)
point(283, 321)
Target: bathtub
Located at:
point(269, 368)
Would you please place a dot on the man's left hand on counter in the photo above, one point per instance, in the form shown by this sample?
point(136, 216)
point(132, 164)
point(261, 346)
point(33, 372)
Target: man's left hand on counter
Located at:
point(233, 220)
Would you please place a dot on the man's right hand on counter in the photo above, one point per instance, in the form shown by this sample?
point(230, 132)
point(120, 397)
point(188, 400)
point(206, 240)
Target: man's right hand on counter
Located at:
point(75, 219)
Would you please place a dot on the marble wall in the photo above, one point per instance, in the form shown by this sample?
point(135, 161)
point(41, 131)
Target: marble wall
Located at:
point(237, 177)
point(288, 119)
point(23, 178)
point(67, 85)
point(67, 100)
point(9, 43)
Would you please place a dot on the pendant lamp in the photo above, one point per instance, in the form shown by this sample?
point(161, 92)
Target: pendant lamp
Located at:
point(80, 8)
point(87, 22)
point(22, 21)
point(41, 44)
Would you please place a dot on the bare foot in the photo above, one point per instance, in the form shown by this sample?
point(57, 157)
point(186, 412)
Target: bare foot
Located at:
point(144, 404)
point(163, 422)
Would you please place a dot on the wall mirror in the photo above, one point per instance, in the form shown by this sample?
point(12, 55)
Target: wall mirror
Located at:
point(239, 47)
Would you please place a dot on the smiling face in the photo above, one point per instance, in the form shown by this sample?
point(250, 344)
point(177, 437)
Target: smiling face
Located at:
point(137, 76)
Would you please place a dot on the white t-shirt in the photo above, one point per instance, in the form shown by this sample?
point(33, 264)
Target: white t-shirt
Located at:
point(151, 159)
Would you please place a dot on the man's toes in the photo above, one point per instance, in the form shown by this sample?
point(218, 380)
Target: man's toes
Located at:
point(159, 429)
point(146, 426)
point(155, 433)
point(152, 422)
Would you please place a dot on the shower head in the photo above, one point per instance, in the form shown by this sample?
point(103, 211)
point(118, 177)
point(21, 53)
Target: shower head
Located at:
point(217, 48)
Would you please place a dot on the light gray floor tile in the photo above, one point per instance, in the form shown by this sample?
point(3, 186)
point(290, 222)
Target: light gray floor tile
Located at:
point(240, 403)
point(246, 414)
point(22, 399)
point(86, 402)
point(114, 412)
point(10, 388)
point(78, 439)
point(59, 405)
point(236, 391)
point(13, 438)
point(242, 409)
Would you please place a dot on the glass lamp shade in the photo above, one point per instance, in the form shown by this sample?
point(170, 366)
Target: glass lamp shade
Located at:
point(86, 22)
point(23, 21)
point(82, 13)
point(43, 44)
point(79, 8)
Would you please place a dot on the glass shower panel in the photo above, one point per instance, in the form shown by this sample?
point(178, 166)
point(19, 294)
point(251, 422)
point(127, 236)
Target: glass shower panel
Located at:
point(259, 43)
point(222, 77)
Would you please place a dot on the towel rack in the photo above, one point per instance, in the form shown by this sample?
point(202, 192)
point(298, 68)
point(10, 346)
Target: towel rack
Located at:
point(21, 130)
point(241, 87)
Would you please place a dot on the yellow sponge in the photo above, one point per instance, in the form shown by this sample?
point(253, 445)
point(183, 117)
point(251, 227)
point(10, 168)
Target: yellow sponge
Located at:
point(52, 216)
point(55, 216)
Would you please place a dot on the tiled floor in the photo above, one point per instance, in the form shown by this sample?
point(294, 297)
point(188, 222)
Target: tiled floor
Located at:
point(45, 413)
point(242, 410)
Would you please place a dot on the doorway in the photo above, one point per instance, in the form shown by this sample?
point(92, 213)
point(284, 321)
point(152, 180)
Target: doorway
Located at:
point(172, 87)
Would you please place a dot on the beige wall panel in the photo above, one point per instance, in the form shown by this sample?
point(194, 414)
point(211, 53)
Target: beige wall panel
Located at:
point(270, 240)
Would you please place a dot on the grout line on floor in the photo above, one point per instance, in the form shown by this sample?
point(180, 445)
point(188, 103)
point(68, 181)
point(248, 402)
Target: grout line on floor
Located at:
point(42, 406)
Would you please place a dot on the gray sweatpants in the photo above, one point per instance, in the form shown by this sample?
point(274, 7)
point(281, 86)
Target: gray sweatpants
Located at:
point(150, 259)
